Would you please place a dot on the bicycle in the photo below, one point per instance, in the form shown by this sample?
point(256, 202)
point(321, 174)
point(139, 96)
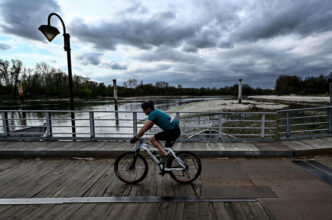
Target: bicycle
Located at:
point(131, 167)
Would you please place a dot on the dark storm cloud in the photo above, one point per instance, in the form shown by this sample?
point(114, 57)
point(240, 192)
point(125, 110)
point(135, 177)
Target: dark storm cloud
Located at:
point(274, 18)
point(93, 58)
point(22, 18)
point(4, 46)
point(114, 65)
point(158, 29)
point(165, 53)
point(218, 25)
point(142, 33)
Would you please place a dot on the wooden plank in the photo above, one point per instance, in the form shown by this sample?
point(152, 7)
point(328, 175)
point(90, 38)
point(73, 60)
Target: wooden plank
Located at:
point(245, 210)
point(36, 212)
point(191, 211)
point(83, 212)
point(15, 176)
point(64, 211)
point(235, 211)
point(220, 210)
point(257, 210)
point(174, 211)
point(14, 211)
point(45, 183)
point(296, 145)
point(324, 143)
point(101, 184)
point(53, 188)
point(24, 184)
point(159, 211)
point(76, 185)
point(125, 146)
point(313, 144)
point(6, 165)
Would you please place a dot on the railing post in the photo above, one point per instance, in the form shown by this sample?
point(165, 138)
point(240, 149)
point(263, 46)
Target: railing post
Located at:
point(277, 127)
point(330, 119)
point(134, 123)
point(48, 124)
point(5, 124)
point(263, 126)
point(92, 125)
point(220, 125)
point(287, 124)
point(177, 116)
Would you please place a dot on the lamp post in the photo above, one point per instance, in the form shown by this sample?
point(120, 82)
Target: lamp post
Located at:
point(50, 33)
point(330, 109)
point(330, 87)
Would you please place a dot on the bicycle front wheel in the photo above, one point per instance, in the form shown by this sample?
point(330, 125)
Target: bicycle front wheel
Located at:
point(191, 172)
point(130, 168)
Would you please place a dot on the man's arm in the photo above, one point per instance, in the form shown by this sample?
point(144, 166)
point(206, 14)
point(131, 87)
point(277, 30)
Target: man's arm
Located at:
point(148, 124)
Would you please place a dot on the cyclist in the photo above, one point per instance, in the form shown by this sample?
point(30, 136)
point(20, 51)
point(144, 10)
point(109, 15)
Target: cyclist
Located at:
point(168, 124)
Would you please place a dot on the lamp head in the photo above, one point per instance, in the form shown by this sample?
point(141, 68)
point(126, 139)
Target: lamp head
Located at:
point(49, 31)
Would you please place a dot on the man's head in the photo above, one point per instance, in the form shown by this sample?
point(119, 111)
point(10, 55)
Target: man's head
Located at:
point(148, 106)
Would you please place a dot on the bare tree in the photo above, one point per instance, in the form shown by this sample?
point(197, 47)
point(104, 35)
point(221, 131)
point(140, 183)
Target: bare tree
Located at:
point(4, 72)
point(10, 73)
point(162, 84)
point(132, 83)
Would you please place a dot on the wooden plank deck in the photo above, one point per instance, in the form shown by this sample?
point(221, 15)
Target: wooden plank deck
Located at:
point(304, 144)
point(96, 178)
point(106, 149)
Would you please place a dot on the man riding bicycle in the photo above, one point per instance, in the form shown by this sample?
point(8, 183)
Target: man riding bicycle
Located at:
point(168, 124)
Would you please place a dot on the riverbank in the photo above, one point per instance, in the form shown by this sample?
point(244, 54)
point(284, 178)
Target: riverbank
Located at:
point(292, 98)
point(228, 105)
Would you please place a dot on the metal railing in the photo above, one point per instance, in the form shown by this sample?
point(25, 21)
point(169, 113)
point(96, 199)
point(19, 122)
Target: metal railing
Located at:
point(304, 123)
point(121, 125)
point(195, 126)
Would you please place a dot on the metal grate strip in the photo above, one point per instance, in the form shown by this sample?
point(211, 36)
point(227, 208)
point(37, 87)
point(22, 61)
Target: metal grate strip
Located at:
point(40, 201)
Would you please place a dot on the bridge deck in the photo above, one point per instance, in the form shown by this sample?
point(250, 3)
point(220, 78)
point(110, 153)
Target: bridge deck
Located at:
point(276, 188)
point(105, 148)
point(84, 178)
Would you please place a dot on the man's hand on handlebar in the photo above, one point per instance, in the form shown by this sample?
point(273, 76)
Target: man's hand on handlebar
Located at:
point(133, 140)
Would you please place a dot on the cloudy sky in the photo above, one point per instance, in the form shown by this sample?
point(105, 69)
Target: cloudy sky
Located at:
point(189, 42)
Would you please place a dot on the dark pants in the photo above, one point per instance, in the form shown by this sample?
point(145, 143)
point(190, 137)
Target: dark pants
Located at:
point(169, 136)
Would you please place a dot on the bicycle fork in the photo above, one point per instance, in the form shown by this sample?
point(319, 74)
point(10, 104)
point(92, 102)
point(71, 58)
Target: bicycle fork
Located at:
point(133, 163)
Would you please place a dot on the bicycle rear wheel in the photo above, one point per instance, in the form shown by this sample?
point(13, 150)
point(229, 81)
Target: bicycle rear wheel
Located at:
point(191, 172)
point(130, 168)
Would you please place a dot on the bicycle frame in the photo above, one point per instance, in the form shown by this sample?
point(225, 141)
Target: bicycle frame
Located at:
point(143, 146)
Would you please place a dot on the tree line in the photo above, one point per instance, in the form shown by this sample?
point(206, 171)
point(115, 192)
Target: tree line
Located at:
point(45, 81)
point(286, 85)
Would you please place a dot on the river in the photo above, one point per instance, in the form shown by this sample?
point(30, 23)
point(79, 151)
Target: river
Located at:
point(104, 121)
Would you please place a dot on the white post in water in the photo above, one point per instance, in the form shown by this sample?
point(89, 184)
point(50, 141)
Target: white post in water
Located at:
point(20, 90)
point(240, 91)
point(115, 93)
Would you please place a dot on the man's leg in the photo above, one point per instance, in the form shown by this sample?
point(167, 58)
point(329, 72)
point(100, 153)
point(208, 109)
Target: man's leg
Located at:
point(158, 145)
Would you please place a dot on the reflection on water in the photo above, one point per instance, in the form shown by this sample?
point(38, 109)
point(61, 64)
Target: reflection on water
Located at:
point(105, 125)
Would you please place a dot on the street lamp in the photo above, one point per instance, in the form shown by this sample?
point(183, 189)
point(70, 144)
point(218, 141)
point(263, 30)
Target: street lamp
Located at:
point(50, 33)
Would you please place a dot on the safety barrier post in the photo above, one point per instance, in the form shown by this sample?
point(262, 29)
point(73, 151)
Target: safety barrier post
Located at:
point(263, 126)
point(5, 124)
point(134, 123)
point(92, 125)
point(48, 124)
